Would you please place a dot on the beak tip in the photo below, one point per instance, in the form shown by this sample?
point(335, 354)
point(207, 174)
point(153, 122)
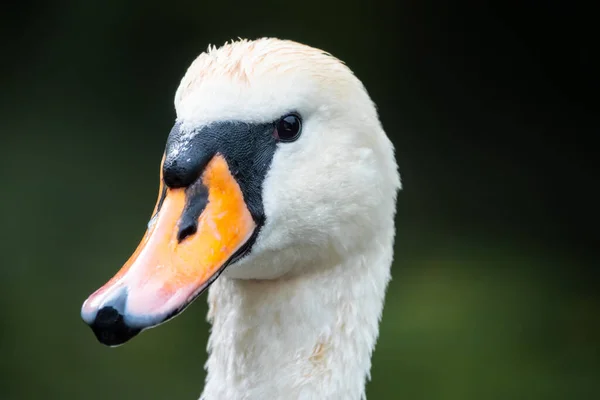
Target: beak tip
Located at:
point(109, 326)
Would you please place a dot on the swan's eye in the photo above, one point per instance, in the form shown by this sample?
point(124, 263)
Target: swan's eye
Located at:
point(288, 128)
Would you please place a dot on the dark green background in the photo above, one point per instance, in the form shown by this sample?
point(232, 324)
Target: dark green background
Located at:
point(494, 293)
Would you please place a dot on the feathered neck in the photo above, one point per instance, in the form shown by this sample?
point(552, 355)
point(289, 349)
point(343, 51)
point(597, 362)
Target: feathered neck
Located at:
point(306, 337)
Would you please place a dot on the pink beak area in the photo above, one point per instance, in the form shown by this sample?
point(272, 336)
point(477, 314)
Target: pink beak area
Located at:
point(195, 233)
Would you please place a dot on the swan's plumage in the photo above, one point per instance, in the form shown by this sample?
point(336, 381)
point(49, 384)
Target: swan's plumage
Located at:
point(330, 202)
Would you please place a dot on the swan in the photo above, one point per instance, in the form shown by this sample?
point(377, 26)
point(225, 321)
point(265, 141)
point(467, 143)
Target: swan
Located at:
point(277, 193)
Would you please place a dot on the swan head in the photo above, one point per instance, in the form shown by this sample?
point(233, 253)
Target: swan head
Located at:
point(277, 164)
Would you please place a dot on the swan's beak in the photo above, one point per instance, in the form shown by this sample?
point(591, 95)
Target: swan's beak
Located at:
point(195, 232)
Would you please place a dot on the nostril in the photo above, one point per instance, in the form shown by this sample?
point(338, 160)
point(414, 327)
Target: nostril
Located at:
point(187, 230)
point(196, 201)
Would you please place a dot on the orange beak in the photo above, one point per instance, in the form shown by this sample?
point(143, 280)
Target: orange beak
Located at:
point(183, 251)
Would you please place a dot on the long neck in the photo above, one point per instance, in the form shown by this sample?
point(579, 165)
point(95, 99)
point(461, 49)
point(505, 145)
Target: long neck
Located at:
point(308, 337)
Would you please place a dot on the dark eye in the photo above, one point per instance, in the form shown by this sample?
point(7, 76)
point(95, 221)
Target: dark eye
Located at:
point(288, 128)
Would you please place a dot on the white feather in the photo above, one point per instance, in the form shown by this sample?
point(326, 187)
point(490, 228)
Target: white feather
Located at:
point(299, 317)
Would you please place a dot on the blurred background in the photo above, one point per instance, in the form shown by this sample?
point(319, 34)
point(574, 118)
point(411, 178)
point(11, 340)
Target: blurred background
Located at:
point(494, 292)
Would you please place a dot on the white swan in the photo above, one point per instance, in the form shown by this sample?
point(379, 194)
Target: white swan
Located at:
point(278, 177)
